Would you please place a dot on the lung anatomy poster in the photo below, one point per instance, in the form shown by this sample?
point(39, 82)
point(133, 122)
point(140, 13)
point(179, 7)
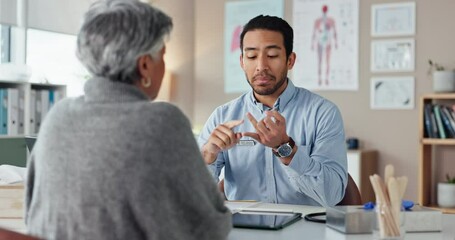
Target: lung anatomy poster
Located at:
point(326, 35)
point(237, 14)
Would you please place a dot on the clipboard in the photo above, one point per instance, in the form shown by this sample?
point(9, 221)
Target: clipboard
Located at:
point(264, 220)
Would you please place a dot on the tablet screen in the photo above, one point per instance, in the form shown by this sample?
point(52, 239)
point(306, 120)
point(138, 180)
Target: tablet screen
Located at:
point(264, 220)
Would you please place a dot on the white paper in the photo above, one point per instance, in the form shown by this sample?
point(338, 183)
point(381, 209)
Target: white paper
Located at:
point(237, 206)
point(11, 174)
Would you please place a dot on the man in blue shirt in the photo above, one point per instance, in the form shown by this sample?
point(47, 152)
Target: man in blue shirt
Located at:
point(291, 149)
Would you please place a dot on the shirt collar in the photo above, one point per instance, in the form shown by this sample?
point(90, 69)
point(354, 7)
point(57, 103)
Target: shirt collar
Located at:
point(280, 103)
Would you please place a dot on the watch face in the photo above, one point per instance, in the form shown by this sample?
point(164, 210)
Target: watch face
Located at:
point(284, 150)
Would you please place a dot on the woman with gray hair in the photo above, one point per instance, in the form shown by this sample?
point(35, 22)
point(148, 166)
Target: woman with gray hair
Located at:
point(111, 164)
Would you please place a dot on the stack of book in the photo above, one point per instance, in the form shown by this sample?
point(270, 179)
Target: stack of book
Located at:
point(439, 121)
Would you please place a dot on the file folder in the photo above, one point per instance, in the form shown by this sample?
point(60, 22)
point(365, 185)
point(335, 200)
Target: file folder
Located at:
point(21, 115)
point(13, 111)
point(38, 107)
point(3, 111)
point(32, 124)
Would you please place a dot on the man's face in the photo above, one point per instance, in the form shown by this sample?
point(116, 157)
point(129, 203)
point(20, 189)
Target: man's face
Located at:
point(264, 61)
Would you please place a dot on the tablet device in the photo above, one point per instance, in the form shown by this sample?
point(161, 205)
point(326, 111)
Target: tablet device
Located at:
point(272, 221)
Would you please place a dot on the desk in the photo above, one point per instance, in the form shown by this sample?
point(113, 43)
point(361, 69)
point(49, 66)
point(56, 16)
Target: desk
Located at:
point(310, 230)
point(299, 230)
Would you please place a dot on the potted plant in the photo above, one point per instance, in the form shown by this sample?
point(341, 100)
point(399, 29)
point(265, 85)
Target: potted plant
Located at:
point(443, 80)
point(446, 193)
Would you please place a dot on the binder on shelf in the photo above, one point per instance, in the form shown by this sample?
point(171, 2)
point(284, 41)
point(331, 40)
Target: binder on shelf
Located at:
point(427, 120)
point(38, 107)
point(437, 114)
point(13, 111)
point(51, 98)
point(21, 118)
point(433, 124)
point(3, 111)
point(446, 121)
point(451, 113)
point(44, 103)
point(58, 95)
point(32, 111)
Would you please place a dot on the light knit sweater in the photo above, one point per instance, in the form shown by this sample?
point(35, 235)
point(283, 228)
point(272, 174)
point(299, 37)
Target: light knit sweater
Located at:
point(113, 165)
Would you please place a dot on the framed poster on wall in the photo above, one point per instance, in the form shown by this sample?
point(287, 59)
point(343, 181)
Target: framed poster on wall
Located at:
point(326, 37)
point(392, 93)
point(394, 55)
point(393, 19)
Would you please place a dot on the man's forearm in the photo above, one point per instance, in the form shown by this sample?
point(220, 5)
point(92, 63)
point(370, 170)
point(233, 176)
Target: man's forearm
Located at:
point(209, 157)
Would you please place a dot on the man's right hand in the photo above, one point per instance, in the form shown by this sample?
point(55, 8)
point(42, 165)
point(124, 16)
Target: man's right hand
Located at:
point(222, 138)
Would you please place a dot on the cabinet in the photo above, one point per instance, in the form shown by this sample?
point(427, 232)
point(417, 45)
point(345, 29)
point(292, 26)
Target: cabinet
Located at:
point(362, 164)
point(427, 148)
point(23, 105)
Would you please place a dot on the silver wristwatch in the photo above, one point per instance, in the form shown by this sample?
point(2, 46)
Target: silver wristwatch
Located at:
point(284, 150)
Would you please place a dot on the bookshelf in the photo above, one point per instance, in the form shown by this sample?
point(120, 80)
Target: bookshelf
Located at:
point(427, 149)
point(28, 105)
point(13, 150)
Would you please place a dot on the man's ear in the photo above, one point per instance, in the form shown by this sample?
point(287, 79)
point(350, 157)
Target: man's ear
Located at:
point(291, 60)
point(143, 65)
point(241, 62)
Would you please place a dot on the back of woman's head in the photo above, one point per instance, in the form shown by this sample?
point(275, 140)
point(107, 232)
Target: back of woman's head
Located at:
point(115, 33)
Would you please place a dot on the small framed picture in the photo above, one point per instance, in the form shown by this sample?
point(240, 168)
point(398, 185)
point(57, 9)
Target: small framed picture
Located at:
point(393, 19)
point(394, 55)
point(392, 93)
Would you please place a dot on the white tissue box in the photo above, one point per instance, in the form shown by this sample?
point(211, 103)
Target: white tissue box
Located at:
point(12, 201)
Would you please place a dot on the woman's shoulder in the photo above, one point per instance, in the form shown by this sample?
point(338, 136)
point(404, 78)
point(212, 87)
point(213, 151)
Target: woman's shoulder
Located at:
point(163, 112)
point(168, 109)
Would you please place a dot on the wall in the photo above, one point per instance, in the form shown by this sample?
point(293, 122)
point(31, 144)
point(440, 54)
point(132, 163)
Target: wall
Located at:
point(180, 48)
point(179, 55)
point(393, 133)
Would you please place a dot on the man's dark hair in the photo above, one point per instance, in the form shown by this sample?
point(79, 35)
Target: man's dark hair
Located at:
point(271, 23)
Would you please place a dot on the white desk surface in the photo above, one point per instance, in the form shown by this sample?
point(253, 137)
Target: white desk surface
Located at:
point(311, 230)
point(298, 230)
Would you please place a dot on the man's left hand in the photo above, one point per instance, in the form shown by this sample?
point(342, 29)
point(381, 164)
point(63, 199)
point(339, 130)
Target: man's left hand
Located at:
point(270, 131)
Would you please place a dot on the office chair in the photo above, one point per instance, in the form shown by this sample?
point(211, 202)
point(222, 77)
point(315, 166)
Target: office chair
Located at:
point(351, 196)
point(221, 188)
point(8, 235)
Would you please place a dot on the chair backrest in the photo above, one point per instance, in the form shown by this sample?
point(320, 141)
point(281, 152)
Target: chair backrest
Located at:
point(8, 235)
point(221, 187)
point(352, 194)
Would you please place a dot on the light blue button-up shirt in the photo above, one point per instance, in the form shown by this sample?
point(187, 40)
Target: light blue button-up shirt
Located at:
point(317, 174)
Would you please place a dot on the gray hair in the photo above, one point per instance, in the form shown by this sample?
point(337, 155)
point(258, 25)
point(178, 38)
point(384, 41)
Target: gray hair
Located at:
point(115, 33)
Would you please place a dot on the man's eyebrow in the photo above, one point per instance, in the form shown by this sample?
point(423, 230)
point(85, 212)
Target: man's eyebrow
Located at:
point(250, 49)
point(268, 47)
point(273, 47)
